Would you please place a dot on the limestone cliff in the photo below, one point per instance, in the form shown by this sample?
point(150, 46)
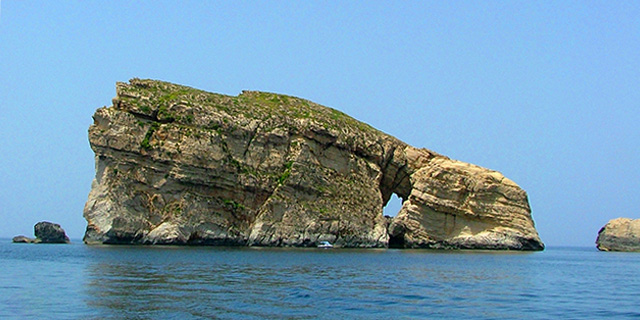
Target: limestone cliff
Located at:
point(176, 165)
point(622, 234)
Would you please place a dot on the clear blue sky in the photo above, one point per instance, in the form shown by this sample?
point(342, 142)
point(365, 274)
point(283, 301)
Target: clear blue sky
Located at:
point(546, 92)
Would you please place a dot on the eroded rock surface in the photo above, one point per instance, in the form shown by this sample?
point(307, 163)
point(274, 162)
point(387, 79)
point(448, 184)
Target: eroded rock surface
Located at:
point(48, 232)
point(621, 234)
point(176, 165)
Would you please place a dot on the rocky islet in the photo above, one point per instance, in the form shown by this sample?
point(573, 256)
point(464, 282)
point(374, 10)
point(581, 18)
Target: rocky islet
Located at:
point(45, 232)
point(177, 165)
point(621, 234)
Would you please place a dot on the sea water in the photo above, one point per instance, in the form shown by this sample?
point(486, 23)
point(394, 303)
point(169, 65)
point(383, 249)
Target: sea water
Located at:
point(77, 281)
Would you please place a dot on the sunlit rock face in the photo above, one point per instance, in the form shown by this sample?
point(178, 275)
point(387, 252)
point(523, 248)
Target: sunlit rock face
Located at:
point(176, 165)
point(621, 234)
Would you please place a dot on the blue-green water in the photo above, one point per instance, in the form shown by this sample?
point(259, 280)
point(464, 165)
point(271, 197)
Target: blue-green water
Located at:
point(121, 282)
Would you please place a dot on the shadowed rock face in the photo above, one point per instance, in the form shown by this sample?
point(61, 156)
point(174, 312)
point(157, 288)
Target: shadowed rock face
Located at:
point(176, 165)
point(621, 234)
point(48, 232)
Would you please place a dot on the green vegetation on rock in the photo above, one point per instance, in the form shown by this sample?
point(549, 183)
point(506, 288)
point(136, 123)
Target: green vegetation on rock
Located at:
point(145, 144)
point(191, 167)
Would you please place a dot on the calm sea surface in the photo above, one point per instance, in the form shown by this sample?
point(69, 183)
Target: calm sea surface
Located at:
point(124, 282)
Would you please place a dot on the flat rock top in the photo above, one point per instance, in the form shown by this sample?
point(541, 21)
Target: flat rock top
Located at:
point(172, 103)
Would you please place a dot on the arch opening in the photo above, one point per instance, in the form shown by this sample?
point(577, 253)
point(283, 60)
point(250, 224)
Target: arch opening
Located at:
point(391, 210)
point(397, 241)
point(393, 206)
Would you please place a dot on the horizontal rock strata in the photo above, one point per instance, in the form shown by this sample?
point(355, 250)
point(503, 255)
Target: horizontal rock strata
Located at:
point(621, 234)
point(176, 165)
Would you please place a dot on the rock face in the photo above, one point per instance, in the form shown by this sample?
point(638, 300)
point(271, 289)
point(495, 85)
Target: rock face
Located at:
point(47, 232)
point(176, 165)
point(622, 234)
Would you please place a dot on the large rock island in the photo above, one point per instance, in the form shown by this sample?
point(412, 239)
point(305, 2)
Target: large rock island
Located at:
point(621, 234)
point(177, 165)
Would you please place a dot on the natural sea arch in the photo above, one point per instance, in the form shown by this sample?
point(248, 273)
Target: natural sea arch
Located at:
point(391, 209)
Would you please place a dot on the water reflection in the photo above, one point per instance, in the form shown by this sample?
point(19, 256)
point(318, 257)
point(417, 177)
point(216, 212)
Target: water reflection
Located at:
point(87, 282)
point(295, 284)
point(214, 285)
point(144, 282)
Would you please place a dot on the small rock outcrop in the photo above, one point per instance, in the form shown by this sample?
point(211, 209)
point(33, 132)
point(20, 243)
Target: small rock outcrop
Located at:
point(48, 232)
point(23, 239)
point(621, 234)
point(45, 232)
point(177, 165)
